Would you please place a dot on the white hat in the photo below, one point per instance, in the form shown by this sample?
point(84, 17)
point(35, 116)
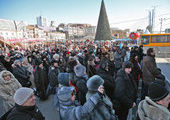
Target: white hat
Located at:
point(22, 95)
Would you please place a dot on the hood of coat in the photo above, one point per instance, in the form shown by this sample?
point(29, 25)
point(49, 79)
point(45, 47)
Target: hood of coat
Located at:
point(149, 110)
point(4, 81)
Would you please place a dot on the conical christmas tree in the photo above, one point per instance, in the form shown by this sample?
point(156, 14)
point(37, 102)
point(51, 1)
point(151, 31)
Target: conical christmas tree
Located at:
point(103, 31)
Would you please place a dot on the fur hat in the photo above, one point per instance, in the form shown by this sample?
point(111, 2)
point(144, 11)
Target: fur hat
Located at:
point(65, 93)
point(79, 70)
point(127, 64)
point(157, 91)
point(22, 95)
point(63, 79)
point(94, 82)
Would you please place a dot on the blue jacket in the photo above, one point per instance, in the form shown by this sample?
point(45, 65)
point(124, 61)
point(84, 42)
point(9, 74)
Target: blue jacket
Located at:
point(70, 110)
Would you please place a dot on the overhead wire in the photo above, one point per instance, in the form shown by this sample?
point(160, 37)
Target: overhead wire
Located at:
point(129, 20)
point(139, 19)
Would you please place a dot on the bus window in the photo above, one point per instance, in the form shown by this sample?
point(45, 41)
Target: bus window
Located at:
point(159, 39)
point(145, 40)
point(168, 38)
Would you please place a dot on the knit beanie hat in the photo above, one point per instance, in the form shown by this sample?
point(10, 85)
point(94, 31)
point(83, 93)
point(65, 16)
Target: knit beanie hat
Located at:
point(79, 70)
point(157, 91)
point(63, 79)
point(22, 95)
point(94, 82)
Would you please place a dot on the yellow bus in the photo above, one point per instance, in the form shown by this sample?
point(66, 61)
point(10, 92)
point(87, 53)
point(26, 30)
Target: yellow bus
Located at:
point(160, 43)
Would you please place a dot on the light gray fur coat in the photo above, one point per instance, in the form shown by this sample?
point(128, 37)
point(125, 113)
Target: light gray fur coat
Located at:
point(7, 90)
point(149, 110)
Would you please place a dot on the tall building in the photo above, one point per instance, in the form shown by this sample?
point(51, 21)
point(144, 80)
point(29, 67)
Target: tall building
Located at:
point(42, 21)
point(103, 31)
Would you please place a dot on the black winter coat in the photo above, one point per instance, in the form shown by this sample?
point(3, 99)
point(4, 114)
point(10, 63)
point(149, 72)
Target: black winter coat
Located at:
point(22, 75)
point(41, 81)
point(126, 89)
point(53, 76)
point(91, 70)
point(109, 83)
point(25, 113)
point(82, 89)
point(136, 70)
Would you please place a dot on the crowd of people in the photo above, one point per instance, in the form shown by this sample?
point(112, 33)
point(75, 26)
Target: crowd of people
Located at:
point(88, 82)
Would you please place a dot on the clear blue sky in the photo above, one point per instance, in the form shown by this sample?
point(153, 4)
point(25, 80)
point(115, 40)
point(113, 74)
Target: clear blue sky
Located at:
point(85, 11)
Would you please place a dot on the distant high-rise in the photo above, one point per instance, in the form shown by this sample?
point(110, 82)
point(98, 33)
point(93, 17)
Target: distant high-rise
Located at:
point(103, 28)
point(41, 21)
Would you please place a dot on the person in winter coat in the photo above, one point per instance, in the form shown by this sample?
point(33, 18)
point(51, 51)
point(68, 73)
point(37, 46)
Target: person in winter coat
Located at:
point(111, 64)
point(8, 63)
point(97, 62)
point(154, 106)
point(63, 80)
point(81, 80)
point(25, 108)
point(21, 74)
point(70, 110)
point(134, 50)
point(91, 70)
point(41, 80)
point(136, 69)
point(140, 53)
point(29, 68)
point(109, 83)
point(8, 85)
point(150, 70)
point(103, 110)
point(127, 56)
point(2, 67)
point(72, 77)
point(62, 63)
point(45, 63)
point(125, 91)
point(53, 76)
point(118, 59)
